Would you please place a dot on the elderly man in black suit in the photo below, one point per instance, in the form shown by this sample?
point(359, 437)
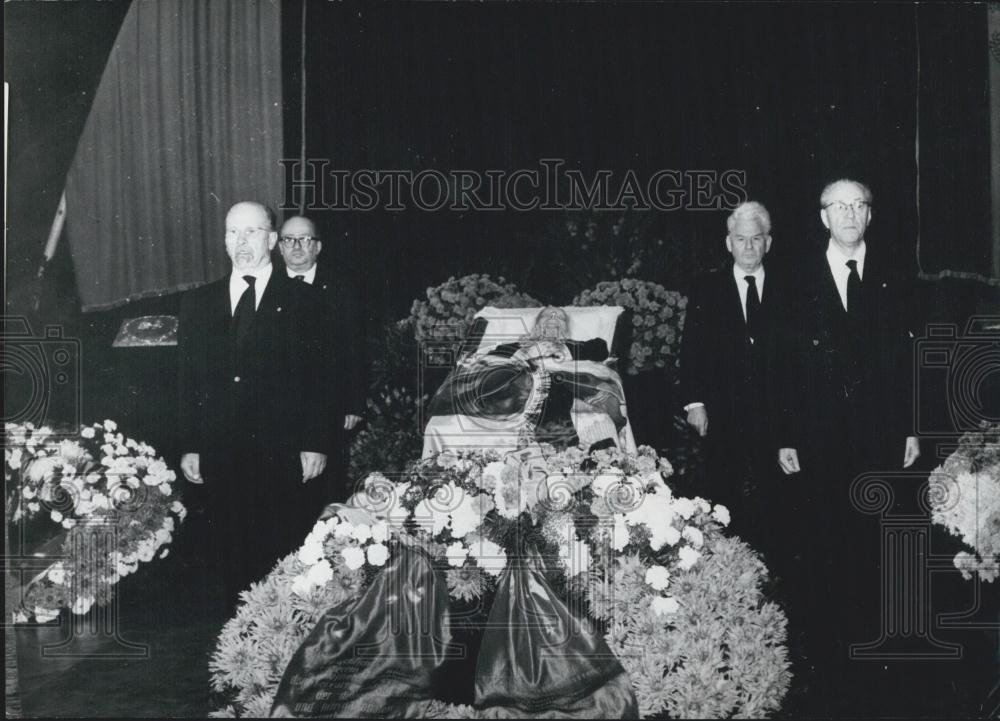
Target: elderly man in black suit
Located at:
point(344, 336)
point(253, 427)
point(847, 401)
point(726, 355)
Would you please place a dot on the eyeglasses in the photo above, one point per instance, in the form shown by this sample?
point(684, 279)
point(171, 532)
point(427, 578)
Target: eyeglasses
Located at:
point(840, 207)
point(234, 233)
point(303, 240)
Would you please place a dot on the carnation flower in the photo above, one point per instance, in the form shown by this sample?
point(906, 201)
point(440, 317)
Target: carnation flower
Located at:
point(87, 432)
point(694, 536)
point(380, 532)
point(354, 557)
point(658, 577)
point(378, 554)
point(687, 557)
point(664, 606)
point(488, 555)
point(721, 514)
point(456, 554)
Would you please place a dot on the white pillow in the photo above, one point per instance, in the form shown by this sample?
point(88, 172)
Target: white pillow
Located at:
point(505, 325)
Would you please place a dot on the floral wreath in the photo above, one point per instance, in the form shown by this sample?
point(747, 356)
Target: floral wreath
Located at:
point(99, 503)
point(678, 601)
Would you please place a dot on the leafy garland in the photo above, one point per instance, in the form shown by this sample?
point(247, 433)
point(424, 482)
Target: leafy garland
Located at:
point(965, 500)
point(101, 503)
point(680, 603)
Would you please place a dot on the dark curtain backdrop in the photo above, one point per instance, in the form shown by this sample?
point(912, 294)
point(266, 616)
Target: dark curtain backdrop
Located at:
point(187, 120)
point(793, 94)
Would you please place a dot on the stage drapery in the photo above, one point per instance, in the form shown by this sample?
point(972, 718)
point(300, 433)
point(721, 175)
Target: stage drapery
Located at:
point(186, 121)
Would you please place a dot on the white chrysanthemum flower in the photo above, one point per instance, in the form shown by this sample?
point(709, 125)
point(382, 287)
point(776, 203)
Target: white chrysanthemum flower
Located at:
point(456, 554)
point(110, 426)
point(664, 606)
point(721, 514)
point(57, 574)
point(28, 492)
point(658, 577)
point(354, 557)
point(68, 523)
point(378, 554)
point(56, 516)
point(362, 532)
point(687, 557)
point(87, 432)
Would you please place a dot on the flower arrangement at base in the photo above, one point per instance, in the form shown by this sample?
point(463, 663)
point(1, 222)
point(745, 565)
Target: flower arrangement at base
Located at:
point(98, 502)
point(965, 500)
point(679, 602)
point(657, 319)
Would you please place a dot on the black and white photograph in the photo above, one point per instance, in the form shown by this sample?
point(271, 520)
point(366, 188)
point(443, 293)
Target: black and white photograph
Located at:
point(501, 359)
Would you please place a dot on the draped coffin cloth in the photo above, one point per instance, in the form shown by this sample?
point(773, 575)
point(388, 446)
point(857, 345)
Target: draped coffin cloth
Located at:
point(186, 121)
point(497, 403)
point(380, 656)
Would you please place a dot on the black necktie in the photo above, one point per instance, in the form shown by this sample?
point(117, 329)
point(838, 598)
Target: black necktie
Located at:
point(853, 288)
point(243, 321)
point(301, 277)
point(753, 304)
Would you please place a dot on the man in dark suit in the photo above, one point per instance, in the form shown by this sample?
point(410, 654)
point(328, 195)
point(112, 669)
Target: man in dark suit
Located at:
point(847, 401)
point(253, 427)
point(344, 336)
point(726, 350)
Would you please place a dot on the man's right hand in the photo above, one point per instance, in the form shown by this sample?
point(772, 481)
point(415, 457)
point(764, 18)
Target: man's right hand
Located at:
point(698, 419)
point(788, 459)
point(191, 467)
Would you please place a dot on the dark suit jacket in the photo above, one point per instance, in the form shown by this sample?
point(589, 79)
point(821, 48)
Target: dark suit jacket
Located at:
point(848, 390)
point(346, 337)
point(276, 408)
point(720, 367)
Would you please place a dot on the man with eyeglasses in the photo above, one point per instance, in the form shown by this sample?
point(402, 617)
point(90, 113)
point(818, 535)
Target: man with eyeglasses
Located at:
point(300, 248)
point(847, 412)
point(252, 424)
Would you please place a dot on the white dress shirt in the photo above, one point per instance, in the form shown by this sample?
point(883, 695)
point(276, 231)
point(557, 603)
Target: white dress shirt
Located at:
point(838, 266)
point(743, 287)
point(237, 285)
point(309, 276)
